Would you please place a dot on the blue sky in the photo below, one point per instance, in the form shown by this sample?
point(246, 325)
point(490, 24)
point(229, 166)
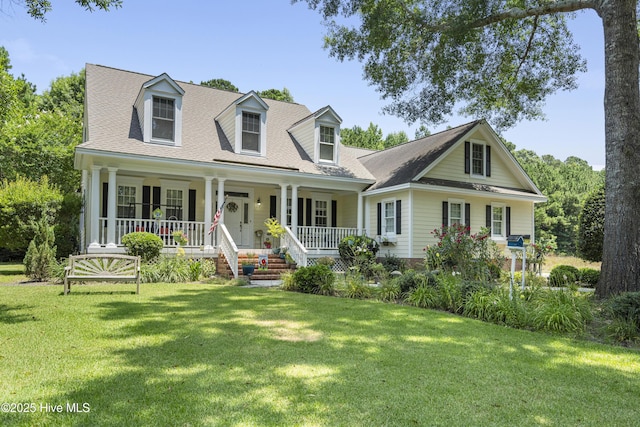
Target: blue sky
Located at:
point(258, 45)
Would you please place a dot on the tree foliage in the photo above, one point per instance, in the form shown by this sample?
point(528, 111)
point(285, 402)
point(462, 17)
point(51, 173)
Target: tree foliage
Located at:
point(41, 253)
point(221, 84)
point(38, 9)
point(499, 60)
point(591, 227)
point(277, 94)
point(22, 203)
point(371, 138)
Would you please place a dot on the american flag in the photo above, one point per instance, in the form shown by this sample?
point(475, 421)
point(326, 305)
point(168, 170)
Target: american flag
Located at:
point(216, 217)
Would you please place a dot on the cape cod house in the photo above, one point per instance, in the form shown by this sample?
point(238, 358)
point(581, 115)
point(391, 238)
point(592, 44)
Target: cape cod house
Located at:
point(160, 156)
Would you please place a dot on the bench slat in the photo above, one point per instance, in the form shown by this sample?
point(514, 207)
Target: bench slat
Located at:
point(102, 267)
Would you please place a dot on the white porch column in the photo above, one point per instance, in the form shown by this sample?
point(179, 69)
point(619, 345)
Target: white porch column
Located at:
point(220, 202)
point(94, 218)
point(294, 210)
point(83, 209)
point(360, 224)
point(283, 204)
point(111, 209)
point(207, 210)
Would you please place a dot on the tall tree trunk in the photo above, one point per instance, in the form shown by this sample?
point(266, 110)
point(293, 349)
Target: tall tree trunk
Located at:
point(621, 251)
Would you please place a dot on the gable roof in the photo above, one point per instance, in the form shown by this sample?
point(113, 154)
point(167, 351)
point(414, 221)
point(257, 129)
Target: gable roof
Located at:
point(410, 162)
point(113, 127)
point(402, 163)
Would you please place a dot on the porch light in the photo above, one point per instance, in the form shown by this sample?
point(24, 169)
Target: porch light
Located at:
point(259, 203)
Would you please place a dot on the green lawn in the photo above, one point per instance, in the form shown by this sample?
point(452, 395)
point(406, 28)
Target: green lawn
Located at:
point(199, 354)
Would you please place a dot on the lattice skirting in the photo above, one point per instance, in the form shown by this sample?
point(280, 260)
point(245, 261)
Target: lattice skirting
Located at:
point(339, 266)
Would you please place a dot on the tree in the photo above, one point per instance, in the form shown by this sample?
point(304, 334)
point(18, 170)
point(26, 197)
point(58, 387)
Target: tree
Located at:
point(422, 132)
point(395, 138)
point(41, 253)
point(39, 8)
point(591, 227)
point(278, 95)
point(358, 137)
point(500, 60)
point(221, 84)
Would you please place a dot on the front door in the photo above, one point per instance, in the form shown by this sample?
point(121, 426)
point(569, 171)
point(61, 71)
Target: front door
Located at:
point(238, 217)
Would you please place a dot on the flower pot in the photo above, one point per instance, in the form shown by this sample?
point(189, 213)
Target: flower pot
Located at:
point(247, 270)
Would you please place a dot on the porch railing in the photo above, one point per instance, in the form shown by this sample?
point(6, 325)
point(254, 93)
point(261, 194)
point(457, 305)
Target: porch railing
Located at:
point(294, 247)
point(229, 249)
point(324, 237)
point(196, 234)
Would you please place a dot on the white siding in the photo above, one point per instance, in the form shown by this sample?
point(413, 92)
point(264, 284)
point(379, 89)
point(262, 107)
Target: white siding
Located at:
point(401, 247)
point(227, 122)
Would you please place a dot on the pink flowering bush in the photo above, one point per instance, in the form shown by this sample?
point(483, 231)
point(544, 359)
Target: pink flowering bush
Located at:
point(473, 256)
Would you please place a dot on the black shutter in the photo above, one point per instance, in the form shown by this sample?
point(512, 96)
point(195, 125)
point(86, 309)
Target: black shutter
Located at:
point(487, 170)
point(300, 211)
point(105, 198)
point(445, 214)
point(334, 213)
point(398, 216)
point(467, 157)
point(508, 220)
point(309, 212)
point(273, 206)
point(489, 217)
point(156, 198)
point(146, 202)
point(192, 205)
point(467, 217)
point(379, 220)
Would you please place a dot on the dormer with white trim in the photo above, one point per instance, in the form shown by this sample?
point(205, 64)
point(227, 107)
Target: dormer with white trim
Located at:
point(244, 123)
point(159, 107)
point(319, 136)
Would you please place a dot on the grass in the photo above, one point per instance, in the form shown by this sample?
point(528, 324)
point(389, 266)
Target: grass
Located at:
point(11, 273)
point(206, 354)
point(555, 260)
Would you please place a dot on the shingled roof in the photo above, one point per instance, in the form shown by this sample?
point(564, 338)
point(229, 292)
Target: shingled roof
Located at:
point(403, 163)
point(113, 127)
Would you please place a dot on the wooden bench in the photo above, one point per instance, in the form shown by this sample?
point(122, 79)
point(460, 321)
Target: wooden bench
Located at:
point(102, 268)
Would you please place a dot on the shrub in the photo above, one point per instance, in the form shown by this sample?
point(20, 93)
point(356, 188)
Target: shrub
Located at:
point(208, 267)
point(625, 306)
point(589, 276)
point(389, 290)
point(314, 279)
point(591, 227)
point(359, 251)
point(288, 283)
point(424, 296)
point(450, 292)
point(392, 263)
point(561, 311)
point(411, 279)
point(143, 244)
point(172, 270)
point(563, 275)
point(357, 287)
point(41, 253)
point(623, 330)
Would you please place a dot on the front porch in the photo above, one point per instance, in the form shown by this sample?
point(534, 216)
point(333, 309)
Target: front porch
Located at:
point(305, 245)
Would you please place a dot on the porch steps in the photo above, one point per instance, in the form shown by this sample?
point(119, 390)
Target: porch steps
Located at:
point(277, 266)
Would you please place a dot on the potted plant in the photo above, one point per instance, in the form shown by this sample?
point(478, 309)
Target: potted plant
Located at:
point(248, 265)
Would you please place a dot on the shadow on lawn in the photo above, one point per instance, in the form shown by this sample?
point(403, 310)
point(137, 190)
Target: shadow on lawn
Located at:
point(12, 314)
point(229, 356)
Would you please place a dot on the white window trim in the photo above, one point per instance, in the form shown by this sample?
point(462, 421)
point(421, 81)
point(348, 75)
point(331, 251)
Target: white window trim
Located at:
point(504, 221)
point(148, 114)
point(484, 158)
point(168, 184)
point(336, 142)
point(461, 202)
point(383, 222)
point(126, 181)
point(262, 152)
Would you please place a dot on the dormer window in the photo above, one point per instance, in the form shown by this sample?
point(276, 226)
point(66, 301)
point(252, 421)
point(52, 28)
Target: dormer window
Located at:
point(250, 132)
point(327, 143)
point(159, 108)
point(163, 118)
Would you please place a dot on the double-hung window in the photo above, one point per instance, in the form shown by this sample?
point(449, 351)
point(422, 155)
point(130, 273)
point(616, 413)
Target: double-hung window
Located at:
point(126, 201)
point(456, 213)
point(163, 125)
point(498, 221)
point(477, 159)
point(250, 132)
point(389, 217)
point(327, 143)
point(174, 204)
point(322, 212)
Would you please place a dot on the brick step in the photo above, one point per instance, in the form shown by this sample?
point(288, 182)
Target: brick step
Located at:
point(276, 267)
